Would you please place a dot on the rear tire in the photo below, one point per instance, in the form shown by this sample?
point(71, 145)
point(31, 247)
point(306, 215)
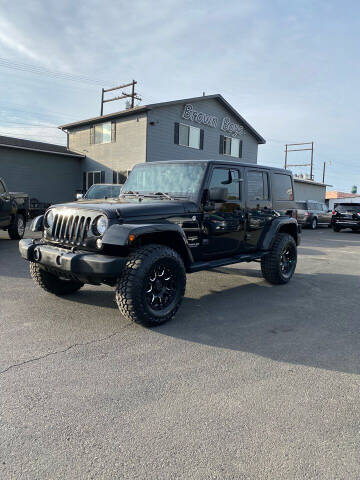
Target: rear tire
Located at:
point(151, 286)
point(17, 228)
point(314, 224)
point(279, 265)
point(336, 228)
point(51, 283)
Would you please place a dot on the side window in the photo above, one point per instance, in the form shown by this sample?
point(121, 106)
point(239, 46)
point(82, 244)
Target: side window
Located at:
point(2, 188)
point(189, 136)
point(282, 187)
point(225, 178)
point(325, 208)
point(257, 185)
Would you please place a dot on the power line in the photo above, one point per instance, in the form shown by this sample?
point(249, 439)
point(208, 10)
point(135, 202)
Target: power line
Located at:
point(5, 63)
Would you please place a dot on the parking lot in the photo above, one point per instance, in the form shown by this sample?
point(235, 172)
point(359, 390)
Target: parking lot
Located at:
point(248, 381)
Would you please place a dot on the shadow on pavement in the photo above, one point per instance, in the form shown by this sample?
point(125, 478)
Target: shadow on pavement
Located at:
point(312, 321)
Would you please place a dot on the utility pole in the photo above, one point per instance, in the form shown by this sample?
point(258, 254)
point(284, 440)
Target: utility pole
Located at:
point(287, 150)
point(323, 178)
point(133, 95)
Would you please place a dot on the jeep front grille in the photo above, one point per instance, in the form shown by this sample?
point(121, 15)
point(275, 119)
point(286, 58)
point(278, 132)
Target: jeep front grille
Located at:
point(71, 229)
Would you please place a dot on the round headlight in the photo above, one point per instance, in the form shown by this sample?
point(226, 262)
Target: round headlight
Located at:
point(100, 225)
point(49, 219)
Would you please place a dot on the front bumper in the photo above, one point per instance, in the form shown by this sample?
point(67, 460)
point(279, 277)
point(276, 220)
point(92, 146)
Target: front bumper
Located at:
point(81, 264)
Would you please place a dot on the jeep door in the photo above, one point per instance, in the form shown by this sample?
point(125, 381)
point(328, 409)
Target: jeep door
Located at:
point(258, 205)
point(223, 223)
point(5, 206)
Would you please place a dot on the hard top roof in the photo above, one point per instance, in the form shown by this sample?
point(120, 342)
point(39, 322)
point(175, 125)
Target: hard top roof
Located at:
point(219, 162)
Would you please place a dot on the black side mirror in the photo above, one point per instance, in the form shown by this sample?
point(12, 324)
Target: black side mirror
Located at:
point(218, 194)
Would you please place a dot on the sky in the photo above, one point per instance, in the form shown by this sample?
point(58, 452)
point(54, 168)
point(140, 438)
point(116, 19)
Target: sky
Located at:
point(290, 68)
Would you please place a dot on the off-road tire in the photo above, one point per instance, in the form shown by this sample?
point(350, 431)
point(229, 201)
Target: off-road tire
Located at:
point(17, 228)
point(130, 292)
point(51, 283)
point(314, 224)
point(270, 264)
point(336, 228)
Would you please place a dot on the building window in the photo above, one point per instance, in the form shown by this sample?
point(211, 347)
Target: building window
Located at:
point(103, 133)
point(258, 185)
point(231, 146)
point(189, 136)
point(119, 177)
point(92, 178)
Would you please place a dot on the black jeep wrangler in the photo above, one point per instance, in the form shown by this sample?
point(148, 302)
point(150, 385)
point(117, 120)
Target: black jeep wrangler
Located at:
point(170, 219)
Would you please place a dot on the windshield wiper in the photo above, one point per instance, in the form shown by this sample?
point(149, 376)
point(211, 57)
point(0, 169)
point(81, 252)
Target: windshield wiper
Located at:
point(162, 194)
point(133, 194)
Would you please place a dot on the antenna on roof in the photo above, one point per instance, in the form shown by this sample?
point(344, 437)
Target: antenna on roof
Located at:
point(133, 95)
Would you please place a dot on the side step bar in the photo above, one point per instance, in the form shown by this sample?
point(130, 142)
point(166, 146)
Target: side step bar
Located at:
point(221, 262)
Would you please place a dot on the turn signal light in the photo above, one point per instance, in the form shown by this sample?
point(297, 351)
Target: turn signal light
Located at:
point(132, 237)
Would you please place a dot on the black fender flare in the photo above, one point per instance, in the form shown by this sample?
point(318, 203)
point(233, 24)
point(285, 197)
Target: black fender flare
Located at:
point(288, 224)
point(118, 235)
point(37, 225)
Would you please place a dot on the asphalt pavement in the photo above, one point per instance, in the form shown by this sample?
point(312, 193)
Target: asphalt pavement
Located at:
point(249, 381)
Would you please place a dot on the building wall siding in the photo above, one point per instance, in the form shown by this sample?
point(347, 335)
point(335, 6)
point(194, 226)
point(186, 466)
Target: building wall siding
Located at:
point(160, 139)
point(305, 191)
point(49, 178)
point(121, 155)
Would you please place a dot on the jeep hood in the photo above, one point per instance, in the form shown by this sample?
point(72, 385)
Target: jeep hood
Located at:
point(130, 208)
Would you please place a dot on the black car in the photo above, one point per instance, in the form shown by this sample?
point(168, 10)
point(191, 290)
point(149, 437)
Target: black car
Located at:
point(171, 218)
point(346, 215)
point(14, 211)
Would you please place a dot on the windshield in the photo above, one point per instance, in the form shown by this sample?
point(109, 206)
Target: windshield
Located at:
point(347, 208)
point(103, 191)
point(177, 179)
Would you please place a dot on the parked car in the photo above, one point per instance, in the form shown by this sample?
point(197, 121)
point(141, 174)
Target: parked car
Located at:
point(101, 191)
point(312, 214)
point(346, 215)
point(14, 211)
point(171, 218)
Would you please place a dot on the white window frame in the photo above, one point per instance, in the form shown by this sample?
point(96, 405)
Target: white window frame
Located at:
point(231, 140)
point(87, 178)
point(102, 124)
point(190, 127)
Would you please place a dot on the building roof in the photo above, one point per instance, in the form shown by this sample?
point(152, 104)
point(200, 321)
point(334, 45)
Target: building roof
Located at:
point(335, 194)
point(22, 144)
point(145, 108)
point(311, 182)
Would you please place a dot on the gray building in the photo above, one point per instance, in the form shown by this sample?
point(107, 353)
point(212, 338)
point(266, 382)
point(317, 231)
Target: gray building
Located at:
point(192, 128)
point(50, 173)
point(309, 190)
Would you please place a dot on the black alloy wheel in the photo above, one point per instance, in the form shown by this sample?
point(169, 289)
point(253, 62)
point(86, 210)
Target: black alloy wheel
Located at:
point(279, 265)
point(288, 260)
point(151, 287)
point(161, 287)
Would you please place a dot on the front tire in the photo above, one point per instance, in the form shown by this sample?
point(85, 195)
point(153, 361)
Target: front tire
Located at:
point(51, 283)
point(151, 286)
point(17, 228)
point(336, 228)
point(279, 265)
